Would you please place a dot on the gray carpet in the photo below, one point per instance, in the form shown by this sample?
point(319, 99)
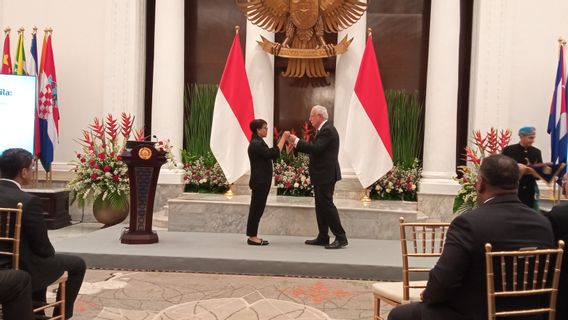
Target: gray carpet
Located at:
point(229, 253)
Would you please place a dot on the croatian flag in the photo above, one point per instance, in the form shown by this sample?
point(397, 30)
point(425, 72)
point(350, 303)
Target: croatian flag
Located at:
point(557, 116)
point(367, 138)
point(232, 114)
point(48, 110)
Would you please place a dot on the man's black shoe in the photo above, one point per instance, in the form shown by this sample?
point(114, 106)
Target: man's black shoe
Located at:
point(337, 244)
point(317, 242)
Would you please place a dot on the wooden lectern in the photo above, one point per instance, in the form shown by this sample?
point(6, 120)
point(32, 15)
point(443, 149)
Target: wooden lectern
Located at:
point(144, 162)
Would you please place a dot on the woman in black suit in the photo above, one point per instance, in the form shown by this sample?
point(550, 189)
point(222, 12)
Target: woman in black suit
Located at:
point(260, 157)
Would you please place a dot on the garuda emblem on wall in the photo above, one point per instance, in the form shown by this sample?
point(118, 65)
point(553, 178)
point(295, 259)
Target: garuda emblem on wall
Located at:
point(304, 22)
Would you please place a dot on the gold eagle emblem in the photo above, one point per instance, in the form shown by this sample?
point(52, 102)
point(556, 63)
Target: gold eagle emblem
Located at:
point(304, 22)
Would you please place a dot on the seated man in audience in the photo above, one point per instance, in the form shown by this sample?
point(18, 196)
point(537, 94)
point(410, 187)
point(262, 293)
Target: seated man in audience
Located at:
point(16, 295)
point(456, 286)
point(37, 255)
point(559, 219)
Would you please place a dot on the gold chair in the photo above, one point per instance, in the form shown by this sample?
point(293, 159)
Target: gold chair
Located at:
point(523, 273)
point(419, 241)
point(10, 230)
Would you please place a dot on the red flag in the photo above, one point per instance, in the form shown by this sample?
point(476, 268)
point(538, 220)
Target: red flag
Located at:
point(6, 57)
point(48, 108)
point(368, 142)
point(233, 112)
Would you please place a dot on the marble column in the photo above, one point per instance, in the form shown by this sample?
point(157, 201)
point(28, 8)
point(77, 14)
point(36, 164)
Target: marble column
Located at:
point(168, 84)
point(437, 187)
point(347, 68)
point(124, 61)
point(441, 98)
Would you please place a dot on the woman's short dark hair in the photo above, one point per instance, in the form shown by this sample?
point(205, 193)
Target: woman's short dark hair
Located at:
point(255, 125)
point(13, 161)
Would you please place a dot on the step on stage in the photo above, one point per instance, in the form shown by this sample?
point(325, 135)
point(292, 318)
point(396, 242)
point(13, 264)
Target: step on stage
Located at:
point(229, 254)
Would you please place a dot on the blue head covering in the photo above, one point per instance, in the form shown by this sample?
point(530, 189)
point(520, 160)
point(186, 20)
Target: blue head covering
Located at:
point(527, 131)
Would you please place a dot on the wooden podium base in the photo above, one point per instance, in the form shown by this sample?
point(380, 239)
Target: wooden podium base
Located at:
point(135, 237)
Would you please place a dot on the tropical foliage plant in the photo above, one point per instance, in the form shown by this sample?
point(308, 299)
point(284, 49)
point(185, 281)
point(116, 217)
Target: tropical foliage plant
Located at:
point(100, 174)
point(199, 100)
point(406, 114)
point(491, 143)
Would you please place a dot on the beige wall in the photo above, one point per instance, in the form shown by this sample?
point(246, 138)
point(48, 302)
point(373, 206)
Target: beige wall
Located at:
point(514, 59)
point(99, 50)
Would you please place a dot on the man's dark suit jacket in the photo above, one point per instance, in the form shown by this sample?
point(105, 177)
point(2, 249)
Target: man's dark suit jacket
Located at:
point(457, 285)
point(323, 151)
point(261, 156)
point(559, 219)
point(36, 252)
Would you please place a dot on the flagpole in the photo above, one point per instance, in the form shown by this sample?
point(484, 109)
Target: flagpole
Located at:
point(365, 199)
point(7, 30)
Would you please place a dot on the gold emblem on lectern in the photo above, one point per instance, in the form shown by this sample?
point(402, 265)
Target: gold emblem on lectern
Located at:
point(304, 22)
point(145, 153)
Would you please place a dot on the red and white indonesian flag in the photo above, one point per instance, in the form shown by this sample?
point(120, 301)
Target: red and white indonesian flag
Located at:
point(233, 112)
point(367, 138)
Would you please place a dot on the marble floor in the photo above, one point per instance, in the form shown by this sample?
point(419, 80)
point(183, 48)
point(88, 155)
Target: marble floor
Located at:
point(130, 295)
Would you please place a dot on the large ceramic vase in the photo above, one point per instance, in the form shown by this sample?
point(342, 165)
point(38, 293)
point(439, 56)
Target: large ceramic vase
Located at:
point(110, 216)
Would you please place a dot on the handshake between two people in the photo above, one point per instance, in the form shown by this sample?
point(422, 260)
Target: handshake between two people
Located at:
point(286, 136)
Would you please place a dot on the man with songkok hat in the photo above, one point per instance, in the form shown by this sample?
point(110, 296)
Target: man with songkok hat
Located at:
point(525, 154)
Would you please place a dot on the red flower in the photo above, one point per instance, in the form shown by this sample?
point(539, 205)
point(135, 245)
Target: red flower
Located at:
point(276, 178)
point(92, 162)
point(408, 186)
point(118, 158)
point(115, 177)
point(94, 176)
point(97, 166)
point(106, 168)
point(288, 184)
point(78, 156)
point(83, 160)
point(102, 155)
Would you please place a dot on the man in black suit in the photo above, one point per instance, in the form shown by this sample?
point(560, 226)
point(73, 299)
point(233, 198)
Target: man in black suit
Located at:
point(456, 288)
point(37, 255)
point(16, 295)
point(558, 217)
point(324, 173)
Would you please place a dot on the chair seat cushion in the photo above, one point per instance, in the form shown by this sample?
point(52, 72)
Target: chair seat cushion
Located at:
point(393, 291)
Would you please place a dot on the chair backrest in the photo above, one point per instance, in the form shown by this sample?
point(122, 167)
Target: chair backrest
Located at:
point(419, 240)
point(527, 273)
point(10, 227)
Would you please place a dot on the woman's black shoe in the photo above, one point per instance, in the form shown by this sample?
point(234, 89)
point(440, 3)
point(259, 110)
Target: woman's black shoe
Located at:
point(254, 243)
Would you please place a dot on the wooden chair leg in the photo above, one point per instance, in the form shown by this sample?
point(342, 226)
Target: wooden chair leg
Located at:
point(377, 315)
point(61, 290)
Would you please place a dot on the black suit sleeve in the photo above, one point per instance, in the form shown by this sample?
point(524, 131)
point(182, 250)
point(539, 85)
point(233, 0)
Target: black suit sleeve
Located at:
point(447, 276)
point(264, 151)
point(35, 230)
point(318, 145)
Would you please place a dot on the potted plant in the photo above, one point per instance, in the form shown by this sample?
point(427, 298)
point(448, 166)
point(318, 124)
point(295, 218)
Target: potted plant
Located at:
point(100, 175)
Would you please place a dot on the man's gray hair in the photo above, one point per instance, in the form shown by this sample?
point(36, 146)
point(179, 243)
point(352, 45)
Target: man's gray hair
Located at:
point(321, 110)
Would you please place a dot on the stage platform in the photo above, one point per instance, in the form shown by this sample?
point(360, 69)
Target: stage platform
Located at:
point(229, 254)
point(287, 216)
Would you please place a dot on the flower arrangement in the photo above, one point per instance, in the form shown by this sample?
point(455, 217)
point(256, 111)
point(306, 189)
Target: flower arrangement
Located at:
point(204, 174)
point(291, 173)
point(165, 146)
point(492, 143)
point(398, 184)
point(100, 175)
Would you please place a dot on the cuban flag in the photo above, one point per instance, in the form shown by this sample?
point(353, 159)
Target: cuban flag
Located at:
point(48, 110)
point(557, 116)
